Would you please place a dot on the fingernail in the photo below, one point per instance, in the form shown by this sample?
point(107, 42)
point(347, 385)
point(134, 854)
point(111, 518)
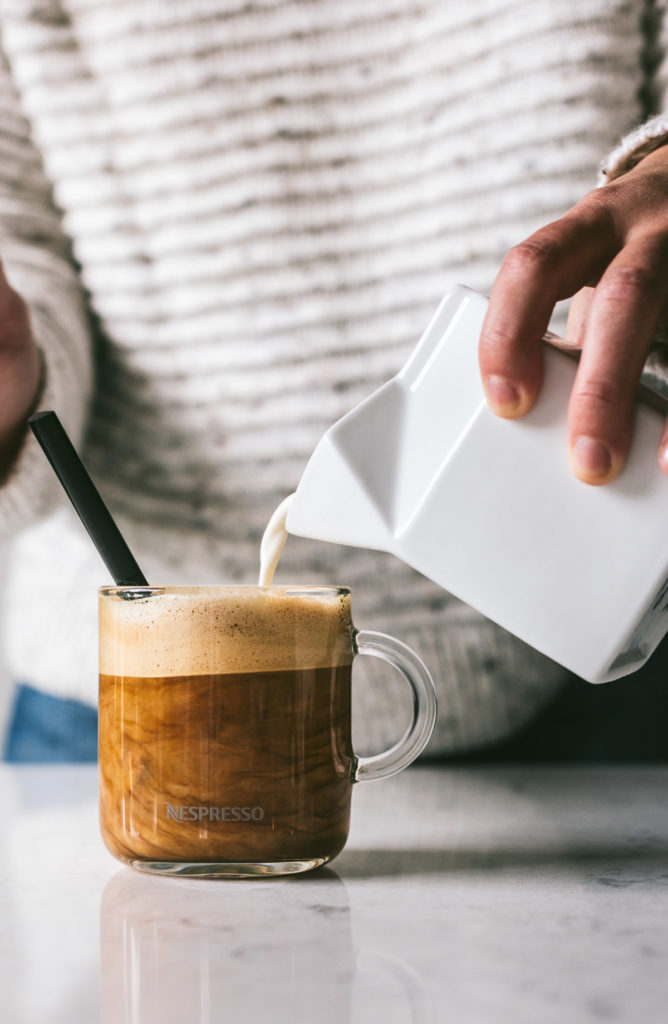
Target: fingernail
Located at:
point(501, 394)
point(591, 459)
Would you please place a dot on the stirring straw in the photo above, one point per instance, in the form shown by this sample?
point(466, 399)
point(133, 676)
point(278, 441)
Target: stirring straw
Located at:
point(86, 499)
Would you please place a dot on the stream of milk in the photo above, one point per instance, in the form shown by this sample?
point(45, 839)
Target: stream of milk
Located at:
point(273, 542)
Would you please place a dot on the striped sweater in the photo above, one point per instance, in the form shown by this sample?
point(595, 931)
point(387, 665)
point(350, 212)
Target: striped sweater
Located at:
point(231, 220)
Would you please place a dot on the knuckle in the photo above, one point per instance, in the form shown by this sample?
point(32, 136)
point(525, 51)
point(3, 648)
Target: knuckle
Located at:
point(627, 284)
point(597, 204)
point(495, 340)
point(533, 255)
point(597, 394)
point(599, 213)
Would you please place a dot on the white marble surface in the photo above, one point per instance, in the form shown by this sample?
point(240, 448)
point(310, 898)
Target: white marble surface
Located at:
point(481, 896)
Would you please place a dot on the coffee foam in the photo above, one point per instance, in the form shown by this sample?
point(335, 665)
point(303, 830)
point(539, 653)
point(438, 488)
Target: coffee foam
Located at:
point(211, 630)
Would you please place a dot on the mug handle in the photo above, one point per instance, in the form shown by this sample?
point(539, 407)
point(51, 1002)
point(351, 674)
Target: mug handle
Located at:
point(425, 706)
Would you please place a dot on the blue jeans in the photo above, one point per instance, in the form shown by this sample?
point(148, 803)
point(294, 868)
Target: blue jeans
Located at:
point(44, 729)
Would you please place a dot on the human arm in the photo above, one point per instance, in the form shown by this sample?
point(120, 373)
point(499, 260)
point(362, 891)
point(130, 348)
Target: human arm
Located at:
point(44, 332)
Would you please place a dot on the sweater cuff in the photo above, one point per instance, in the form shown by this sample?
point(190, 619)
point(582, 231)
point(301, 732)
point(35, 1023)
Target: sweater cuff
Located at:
point(634, 147)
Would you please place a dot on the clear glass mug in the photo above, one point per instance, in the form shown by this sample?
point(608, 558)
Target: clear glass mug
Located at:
point(225, 726)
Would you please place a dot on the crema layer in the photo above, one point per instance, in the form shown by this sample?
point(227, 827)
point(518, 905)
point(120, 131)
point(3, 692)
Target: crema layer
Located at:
point(209, 630)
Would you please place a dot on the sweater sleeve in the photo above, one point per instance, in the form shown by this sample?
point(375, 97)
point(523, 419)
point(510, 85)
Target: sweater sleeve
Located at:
point(38, 264)
point(639, 143)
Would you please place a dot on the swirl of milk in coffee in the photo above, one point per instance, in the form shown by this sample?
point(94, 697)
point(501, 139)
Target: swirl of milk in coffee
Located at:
point(273, 542)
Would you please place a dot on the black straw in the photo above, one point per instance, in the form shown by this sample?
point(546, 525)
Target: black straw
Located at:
point(86, 499)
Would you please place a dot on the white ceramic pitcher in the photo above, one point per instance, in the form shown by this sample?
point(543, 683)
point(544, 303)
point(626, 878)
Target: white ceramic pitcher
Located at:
point(489, 508)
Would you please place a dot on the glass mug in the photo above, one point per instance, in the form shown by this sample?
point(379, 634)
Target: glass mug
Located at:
point(224, 726)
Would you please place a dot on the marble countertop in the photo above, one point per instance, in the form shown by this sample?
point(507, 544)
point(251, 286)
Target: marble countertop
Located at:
point(478, 896)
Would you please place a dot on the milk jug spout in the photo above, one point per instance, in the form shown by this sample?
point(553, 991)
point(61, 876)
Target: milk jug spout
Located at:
point(489, 509)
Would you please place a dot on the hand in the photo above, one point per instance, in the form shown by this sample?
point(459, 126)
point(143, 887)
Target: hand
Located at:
point(20, 373)
point(611, 248)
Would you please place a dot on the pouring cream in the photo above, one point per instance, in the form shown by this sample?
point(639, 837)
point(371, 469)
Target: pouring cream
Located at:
point(273, 542)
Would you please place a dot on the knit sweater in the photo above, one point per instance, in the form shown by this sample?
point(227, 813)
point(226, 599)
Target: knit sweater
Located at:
point(231, 222)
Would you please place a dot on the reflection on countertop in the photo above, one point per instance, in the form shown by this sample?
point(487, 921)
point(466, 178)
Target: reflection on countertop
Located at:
point(185, 950)
point(468, 895)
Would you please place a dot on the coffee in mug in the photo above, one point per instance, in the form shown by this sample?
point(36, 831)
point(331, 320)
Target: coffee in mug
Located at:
point(225, 726)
